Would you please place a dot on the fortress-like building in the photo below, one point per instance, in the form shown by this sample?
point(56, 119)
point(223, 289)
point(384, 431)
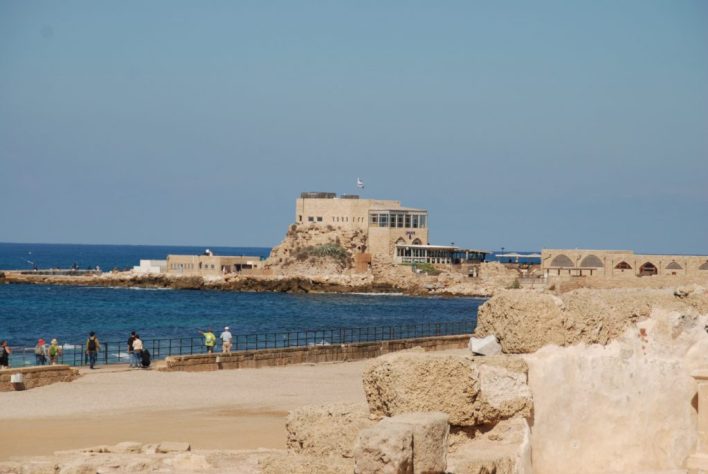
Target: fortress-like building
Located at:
point(618, 263)
point(395, 233)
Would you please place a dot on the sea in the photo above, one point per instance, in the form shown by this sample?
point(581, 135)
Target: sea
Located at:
point(68, 313)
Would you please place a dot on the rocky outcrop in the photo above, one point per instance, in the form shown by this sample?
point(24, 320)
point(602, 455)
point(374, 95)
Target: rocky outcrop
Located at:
point(624, 407)
point(471, 390)
point(326, 430)
point(524, 321)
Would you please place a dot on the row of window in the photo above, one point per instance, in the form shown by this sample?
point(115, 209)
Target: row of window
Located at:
point(188, 266)
point(395, 219)
point(334, 219)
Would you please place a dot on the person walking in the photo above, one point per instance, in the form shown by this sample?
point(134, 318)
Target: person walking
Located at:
point(226, 339)
point(5, 352)
point(209, 340)
point(92, 348)
point(138, 351)
point(54, 352)
point(131, 350)
point(40, 352)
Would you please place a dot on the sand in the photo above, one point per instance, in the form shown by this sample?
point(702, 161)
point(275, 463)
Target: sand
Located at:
point(230, 409)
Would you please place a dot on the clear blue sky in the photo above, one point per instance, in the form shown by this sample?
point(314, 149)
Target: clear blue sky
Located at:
point(517, 124)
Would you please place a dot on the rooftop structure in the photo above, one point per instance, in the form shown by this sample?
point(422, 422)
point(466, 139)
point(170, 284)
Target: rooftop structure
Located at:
point(210, 264)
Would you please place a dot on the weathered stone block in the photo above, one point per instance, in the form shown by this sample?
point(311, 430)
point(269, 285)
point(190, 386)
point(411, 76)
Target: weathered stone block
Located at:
point(384, 449)
point(430, 433)
point(172, 447)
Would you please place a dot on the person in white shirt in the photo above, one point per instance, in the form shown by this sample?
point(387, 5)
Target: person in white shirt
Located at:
point(226, 339)
point(138, 350)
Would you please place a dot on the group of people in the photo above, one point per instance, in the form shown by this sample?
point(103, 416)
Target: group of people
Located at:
point(210, 340)
point(139, 355)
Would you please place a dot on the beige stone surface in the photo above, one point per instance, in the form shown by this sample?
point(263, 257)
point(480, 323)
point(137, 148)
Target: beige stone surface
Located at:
point(384, 449)
point(503, 449)
point(623, 407)
point(329, 430)
point(471, 390)
point(430, 432)
point(524, 321)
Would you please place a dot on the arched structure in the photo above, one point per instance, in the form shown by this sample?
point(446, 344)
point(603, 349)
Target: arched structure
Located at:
point(591, 261)
point(562, 260)
point(648, 269)
point(674, 266)
point(400, 241)
point(417, 242)
point(623, 266)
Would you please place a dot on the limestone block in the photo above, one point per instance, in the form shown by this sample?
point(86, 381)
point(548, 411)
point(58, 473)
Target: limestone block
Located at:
point(384, 449)
point(641, 382)
point(127, 447)
point(416, 382)
point(40, 468)
point(302, 464)
point(172, 447)
point(430, 433)
point(485, 345)
point(326, 430)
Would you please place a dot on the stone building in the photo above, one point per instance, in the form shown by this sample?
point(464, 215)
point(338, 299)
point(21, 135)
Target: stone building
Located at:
point(395, 234)
point(619, 263)
point(210, 265)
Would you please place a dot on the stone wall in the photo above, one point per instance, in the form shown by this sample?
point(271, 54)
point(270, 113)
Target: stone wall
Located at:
point(309, 354)
point(37, 376)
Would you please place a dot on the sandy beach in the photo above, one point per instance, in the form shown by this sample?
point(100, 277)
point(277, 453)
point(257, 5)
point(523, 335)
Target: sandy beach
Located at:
point(231, 409)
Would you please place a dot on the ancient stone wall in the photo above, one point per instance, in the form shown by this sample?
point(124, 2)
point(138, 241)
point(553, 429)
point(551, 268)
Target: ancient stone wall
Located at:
point(309, 354)
point(36, 376)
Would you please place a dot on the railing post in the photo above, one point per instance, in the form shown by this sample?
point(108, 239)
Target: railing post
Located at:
point(698, 462)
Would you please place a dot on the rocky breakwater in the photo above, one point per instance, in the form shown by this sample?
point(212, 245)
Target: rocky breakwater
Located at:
point(609, 371)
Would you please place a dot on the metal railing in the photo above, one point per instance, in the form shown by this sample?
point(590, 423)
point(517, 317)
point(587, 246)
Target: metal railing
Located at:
point(113, 352)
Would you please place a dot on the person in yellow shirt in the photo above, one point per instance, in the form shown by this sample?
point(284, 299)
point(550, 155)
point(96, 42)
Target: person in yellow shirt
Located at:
point(209, 340)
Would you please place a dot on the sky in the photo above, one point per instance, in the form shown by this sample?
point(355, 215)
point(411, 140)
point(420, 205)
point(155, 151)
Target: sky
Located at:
point(524, 125)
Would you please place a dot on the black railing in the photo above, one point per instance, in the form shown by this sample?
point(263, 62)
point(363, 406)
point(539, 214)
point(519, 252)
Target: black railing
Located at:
point(117, 352)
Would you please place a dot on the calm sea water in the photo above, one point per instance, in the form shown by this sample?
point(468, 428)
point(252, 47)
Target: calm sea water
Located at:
point(68, 313)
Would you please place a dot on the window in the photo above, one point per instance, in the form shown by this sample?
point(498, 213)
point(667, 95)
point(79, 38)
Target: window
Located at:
point(300, 217)
point(408, 221)
point(414, 221)
point(310, 219)
point(422, 221)
point(383, 220)
point(319, 219)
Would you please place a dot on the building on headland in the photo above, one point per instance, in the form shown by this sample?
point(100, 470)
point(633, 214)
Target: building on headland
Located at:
point(210, 265)
point(151, 267)
point(395, 234)
point(619, 263)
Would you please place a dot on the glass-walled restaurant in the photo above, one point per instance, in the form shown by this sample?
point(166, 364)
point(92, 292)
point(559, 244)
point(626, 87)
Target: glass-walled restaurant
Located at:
point(397, 218)
point(437, 254)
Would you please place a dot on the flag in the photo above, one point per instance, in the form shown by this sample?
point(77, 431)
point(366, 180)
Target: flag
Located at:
point(359, 183)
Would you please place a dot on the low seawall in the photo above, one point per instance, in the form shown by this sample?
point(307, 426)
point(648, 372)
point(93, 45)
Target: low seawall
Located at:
point(36, 376)
point(309, 354)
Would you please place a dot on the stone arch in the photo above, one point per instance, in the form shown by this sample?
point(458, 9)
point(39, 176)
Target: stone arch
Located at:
point(623, 266)
point(400, 241)
point(591, 261)
point(647, 269)
point(562, 260)
point(417, 241)
point(674, 266)
point(704, 266)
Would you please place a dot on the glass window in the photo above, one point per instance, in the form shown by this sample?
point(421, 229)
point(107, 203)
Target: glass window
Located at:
point(399, 220)
point(374, 219)
point(310, 219)
point(383, 220)
point(414, 221)
point(408, 221)
point(319, 219)
point(423, 219)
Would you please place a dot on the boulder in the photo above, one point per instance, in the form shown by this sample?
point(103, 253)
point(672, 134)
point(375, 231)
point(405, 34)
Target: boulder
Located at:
point(326, 430)
point(485, 345)
point(430, 432)
point(384, 449)
point(470, 390)
point(599, 408)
